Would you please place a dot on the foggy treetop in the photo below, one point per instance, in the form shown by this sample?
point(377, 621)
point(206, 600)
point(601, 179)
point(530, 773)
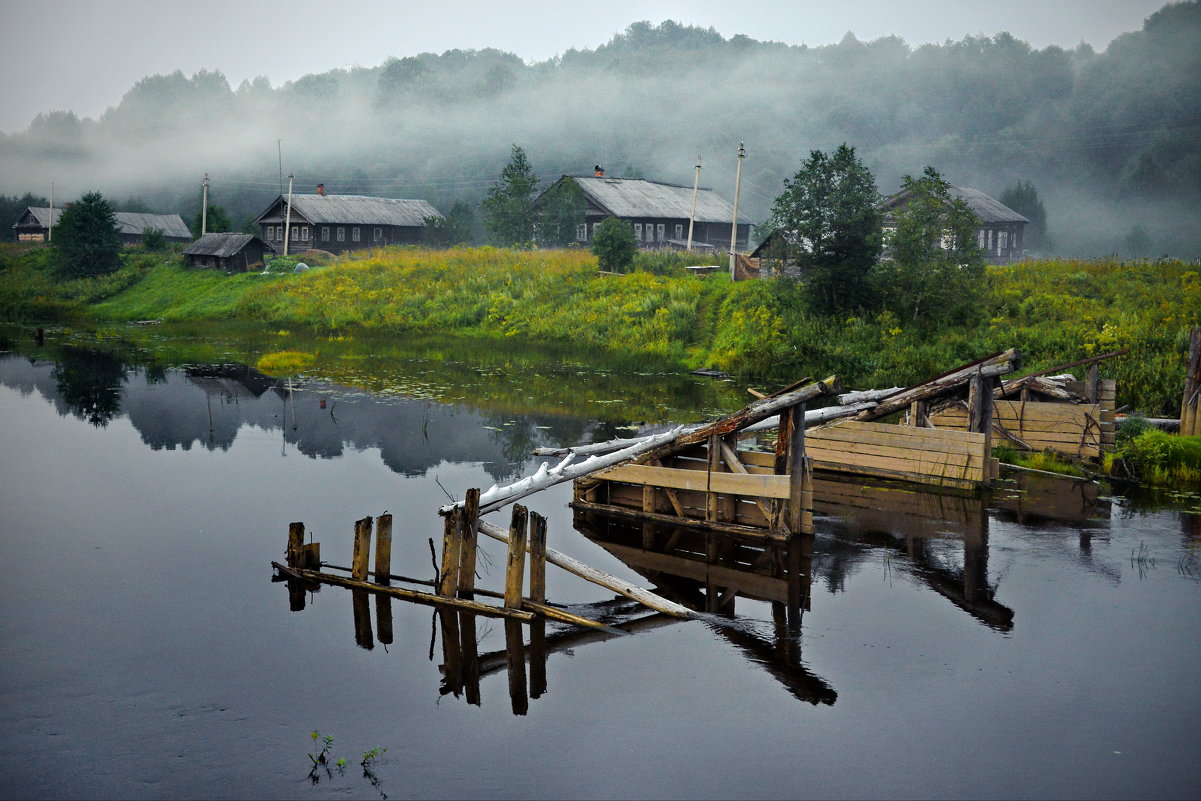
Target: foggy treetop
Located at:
point(1104, 136)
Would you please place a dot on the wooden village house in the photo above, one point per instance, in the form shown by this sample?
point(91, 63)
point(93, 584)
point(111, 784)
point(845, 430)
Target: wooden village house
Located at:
point(1001, 231)
point(338, 223)
point(35, 223)
point(658, 212)
point(229, 252)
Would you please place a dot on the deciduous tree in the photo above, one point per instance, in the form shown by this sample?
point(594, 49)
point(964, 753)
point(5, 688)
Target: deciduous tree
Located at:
point(614, 245)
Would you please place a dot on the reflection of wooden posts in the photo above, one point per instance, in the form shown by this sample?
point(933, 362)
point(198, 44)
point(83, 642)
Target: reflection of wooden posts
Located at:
point(468, 536)
point(975, 556)
point(452, 654)
point(1190, 407)
point(361, 605)
point(538, 657)
point(515, 654)
point(362, 549)
point(471, 657)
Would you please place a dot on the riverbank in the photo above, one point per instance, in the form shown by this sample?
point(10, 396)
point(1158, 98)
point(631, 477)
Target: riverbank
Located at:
point(1053, 311)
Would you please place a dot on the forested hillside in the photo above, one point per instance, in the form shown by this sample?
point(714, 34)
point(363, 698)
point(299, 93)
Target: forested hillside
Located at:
point(1111, 140)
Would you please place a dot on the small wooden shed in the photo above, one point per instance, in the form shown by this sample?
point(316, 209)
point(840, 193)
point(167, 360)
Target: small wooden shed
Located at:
point(230, 252)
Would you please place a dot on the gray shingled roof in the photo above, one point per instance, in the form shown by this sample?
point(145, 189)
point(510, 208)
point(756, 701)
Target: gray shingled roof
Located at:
point(986, 207)
point(128, 222)
point(219, 245)
point(636, 197)
point(356, 210)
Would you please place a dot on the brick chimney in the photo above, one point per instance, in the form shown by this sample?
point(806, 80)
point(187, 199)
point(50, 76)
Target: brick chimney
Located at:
point(598, 171)
point(321, 189)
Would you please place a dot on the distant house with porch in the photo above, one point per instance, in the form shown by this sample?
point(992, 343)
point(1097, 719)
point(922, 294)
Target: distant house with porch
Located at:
point(338, 223)
point(1000, 233)
point(230, 252)
point(658, 212)
point(35, 222)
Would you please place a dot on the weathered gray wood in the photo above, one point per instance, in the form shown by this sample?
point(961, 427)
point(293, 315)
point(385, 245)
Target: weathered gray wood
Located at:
point(295, 544)
point(995, 365)
point(362, 549)
point(468, 541)
point(537, 558)
point(800, 487)
point(515, 564)
point(383, 549)
point(448, 577)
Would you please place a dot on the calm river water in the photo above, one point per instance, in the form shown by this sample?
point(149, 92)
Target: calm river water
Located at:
point(1042, 642)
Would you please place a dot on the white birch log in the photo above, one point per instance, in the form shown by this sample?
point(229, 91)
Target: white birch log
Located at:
point(867, 395)
point(572, 565)
point(812, 416)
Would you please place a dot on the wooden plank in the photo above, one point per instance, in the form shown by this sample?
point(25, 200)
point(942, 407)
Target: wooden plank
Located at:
point(898, 475)
point(750, 532)
point(403, 592)
point(918, 456)
point(850, 462)
point(764, 486)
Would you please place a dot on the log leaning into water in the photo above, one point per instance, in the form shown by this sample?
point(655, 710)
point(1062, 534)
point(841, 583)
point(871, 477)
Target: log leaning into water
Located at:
point(620, 586)
point(653, 447)
point(995, 365)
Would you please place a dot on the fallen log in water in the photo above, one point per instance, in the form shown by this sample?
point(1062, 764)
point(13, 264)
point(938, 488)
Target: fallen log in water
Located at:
point(652, 447)
point(620, 586)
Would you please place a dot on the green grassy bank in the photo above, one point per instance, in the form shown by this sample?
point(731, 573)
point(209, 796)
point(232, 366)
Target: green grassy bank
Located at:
point(1053, 311)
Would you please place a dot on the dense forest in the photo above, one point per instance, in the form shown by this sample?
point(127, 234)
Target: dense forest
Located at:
point(1111, 140)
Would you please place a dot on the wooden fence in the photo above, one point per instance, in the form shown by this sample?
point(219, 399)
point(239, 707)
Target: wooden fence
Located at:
point(1070, 428)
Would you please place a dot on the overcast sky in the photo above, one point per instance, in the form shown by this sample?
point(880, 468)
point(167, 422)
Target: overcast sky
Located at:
point(83, 55)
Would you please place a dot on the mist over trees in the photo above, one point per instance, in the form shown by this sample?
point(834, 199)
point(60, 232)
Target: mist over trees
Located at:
point(1111, 139)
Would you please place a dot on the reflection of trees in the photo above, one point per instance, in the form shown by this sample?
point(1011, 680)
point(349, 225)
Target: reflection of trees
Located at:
point(89, 382)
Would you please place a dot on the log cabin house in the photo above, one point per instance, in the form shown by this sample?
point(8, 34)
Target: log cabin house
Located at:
point(1001, 231)
point(658, 212)
point(338, 223)
point(34, 225)
point(230, 252)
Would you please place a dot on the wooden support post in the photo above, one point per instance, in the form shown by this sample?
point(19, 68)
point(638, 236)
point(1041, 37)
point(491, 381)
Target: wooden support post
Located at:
point(295, 544)
point(468, 536)
point(1092, 383)
point(515, 567)
point(711, 499)
point(980, 404)
point(800, 485)
point(537, 557)
point(383, 549)
point(775, 520)
point(918, 415)
point(310, 556)
point(362, 549)
point(448, 577)
point(1190, 406)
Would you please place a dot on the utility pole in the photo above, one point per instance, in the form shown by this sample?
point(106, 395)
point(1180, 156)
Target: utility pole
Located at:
point(737, 190)
point(279, 146)
point(204, 208)
point(696, 182)
point(288, 217)
point(50, 230)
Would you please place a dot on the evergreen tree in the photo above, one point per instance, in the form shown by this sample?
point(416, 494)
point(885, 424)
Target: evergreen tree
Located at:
point(559, 211)
point(86, 238)
point(1023, 198)
point(509, 206)
point(827, 223)
point(614, 245)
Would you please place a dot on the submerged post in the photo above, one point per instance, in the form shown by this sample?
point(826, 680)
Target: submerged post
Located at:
point(295, 555)
point(448, 578)
point(516, 562)
point(800, 478)
point(537, 557)
point(383, 548)
point(468, 537)
point(362, 549)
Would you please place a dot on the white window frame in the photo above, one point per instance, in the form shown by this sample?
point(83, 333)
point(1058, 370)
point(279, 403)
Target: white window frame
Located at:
point(296, 234)
point(638, 231)
point(581, 232)
point(679, 230)
point(660, 232)
point(1002, 240)
point(341, 234)
point(325, 233)
point(355, 234)
point(379, 234)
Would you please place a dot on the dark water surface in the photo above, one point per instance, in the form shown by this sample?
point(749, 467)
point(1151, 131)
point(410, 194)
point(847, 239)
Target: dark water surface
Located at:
point(1042, 642)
